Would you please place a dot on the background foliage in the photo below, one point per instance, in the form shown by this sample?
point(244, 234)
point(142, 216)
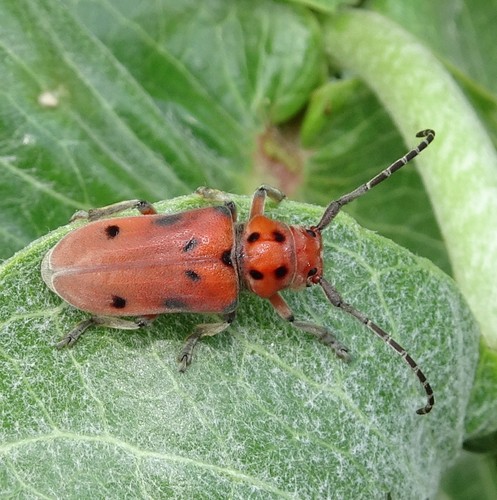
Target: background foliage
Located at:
point(103, 101)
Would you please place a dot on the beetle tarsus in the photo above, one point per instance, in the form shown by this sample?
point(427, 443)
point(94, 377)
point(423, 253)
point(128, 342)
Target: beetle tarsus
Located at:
point(144, 321)
point(186, 355)
point(203, 330)
point(143, 206)
point(324, 336)
point(184, 361)
point(71, 338)
point(259, 199)
point(213, 194)
point(80, 214)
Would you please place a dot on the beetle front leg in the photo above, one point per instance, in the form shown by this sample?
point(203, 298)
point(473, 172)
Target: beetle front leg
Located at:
point(144, 207)
point(322, 333)
point(203, 330)
point(121, 324)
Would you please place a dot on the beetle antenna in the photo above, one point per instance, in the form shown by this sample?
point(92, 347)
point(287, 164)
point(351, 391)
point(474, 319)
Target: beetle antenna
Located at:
point(335, 206)
point(336, 300)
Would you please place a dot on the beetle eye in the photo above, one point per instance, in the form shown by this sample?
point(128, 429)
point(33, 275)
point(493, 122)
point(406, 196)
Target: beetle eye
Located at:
point(310, 232)
point(312, 272)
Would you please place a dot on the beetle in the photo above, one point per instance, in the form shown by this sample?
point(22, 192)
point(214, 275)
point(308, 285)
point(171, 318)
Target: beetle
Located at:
point(198, 261)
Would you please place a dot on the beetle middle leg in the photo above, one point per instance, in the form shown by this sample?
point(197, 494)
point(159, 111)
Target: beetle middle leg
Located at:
point(258, 200)
point(204, 330)
point(322, 333)
point(121, 324)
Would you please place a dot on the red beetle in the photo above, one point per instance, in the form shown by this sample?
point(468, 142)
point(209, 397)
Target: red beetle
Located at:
point(198, 261)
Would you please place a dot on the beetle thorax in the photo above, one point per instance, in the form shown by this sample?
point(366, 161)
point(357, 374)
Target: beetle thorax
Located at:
point(274, 256)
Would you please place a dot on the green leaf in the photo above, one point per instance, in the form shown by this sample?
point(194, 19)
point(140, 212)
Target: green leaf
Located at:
point(328, 6)
point(472, 477)
point(483, 401)
point(264, 410)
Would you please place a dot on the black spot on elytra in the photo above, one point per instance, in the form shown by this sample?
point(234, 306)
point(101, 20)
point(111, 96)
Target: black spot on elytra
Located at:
point(190, 245)
point(279, 237)
point(118, 302)
point(112, 231)
point(168, 220)
point(175, 303)
point(226, 258)
point(255, 274)
point(280, 272)
point(192, 275)
point(253, 237)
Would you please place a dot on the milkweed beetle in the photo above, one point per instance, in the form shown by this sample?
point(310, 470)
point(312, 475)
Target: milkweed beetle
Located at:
point(197, 261)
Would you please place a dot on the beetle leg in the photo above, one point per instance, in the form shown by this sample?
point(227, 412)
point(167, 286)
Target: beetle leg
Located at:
point(212, 194)
point(203, 330)
point(260, 197)
point(322, 333)
point(70, 339)
point(122, 324)
point(232, 208)
point(144, 207)
point(220, 196)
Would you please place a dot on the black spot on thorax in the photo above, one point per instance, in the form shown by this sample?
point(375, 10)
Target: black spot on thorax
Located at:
point(253, 237)
point(312, 272)
point(280, 272)
point(255, 274)
point(226, 258)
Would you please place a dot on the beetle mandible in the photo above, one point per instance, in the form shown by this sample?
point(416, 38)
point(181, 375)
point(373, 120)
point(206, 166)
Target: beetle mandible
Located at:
point(174, 268)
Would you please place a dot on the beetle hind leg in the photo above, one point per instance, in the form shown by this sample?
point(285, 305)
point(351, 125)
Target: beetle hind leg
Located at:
point(111, 322)
point(71, 338)
point(204, 330)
